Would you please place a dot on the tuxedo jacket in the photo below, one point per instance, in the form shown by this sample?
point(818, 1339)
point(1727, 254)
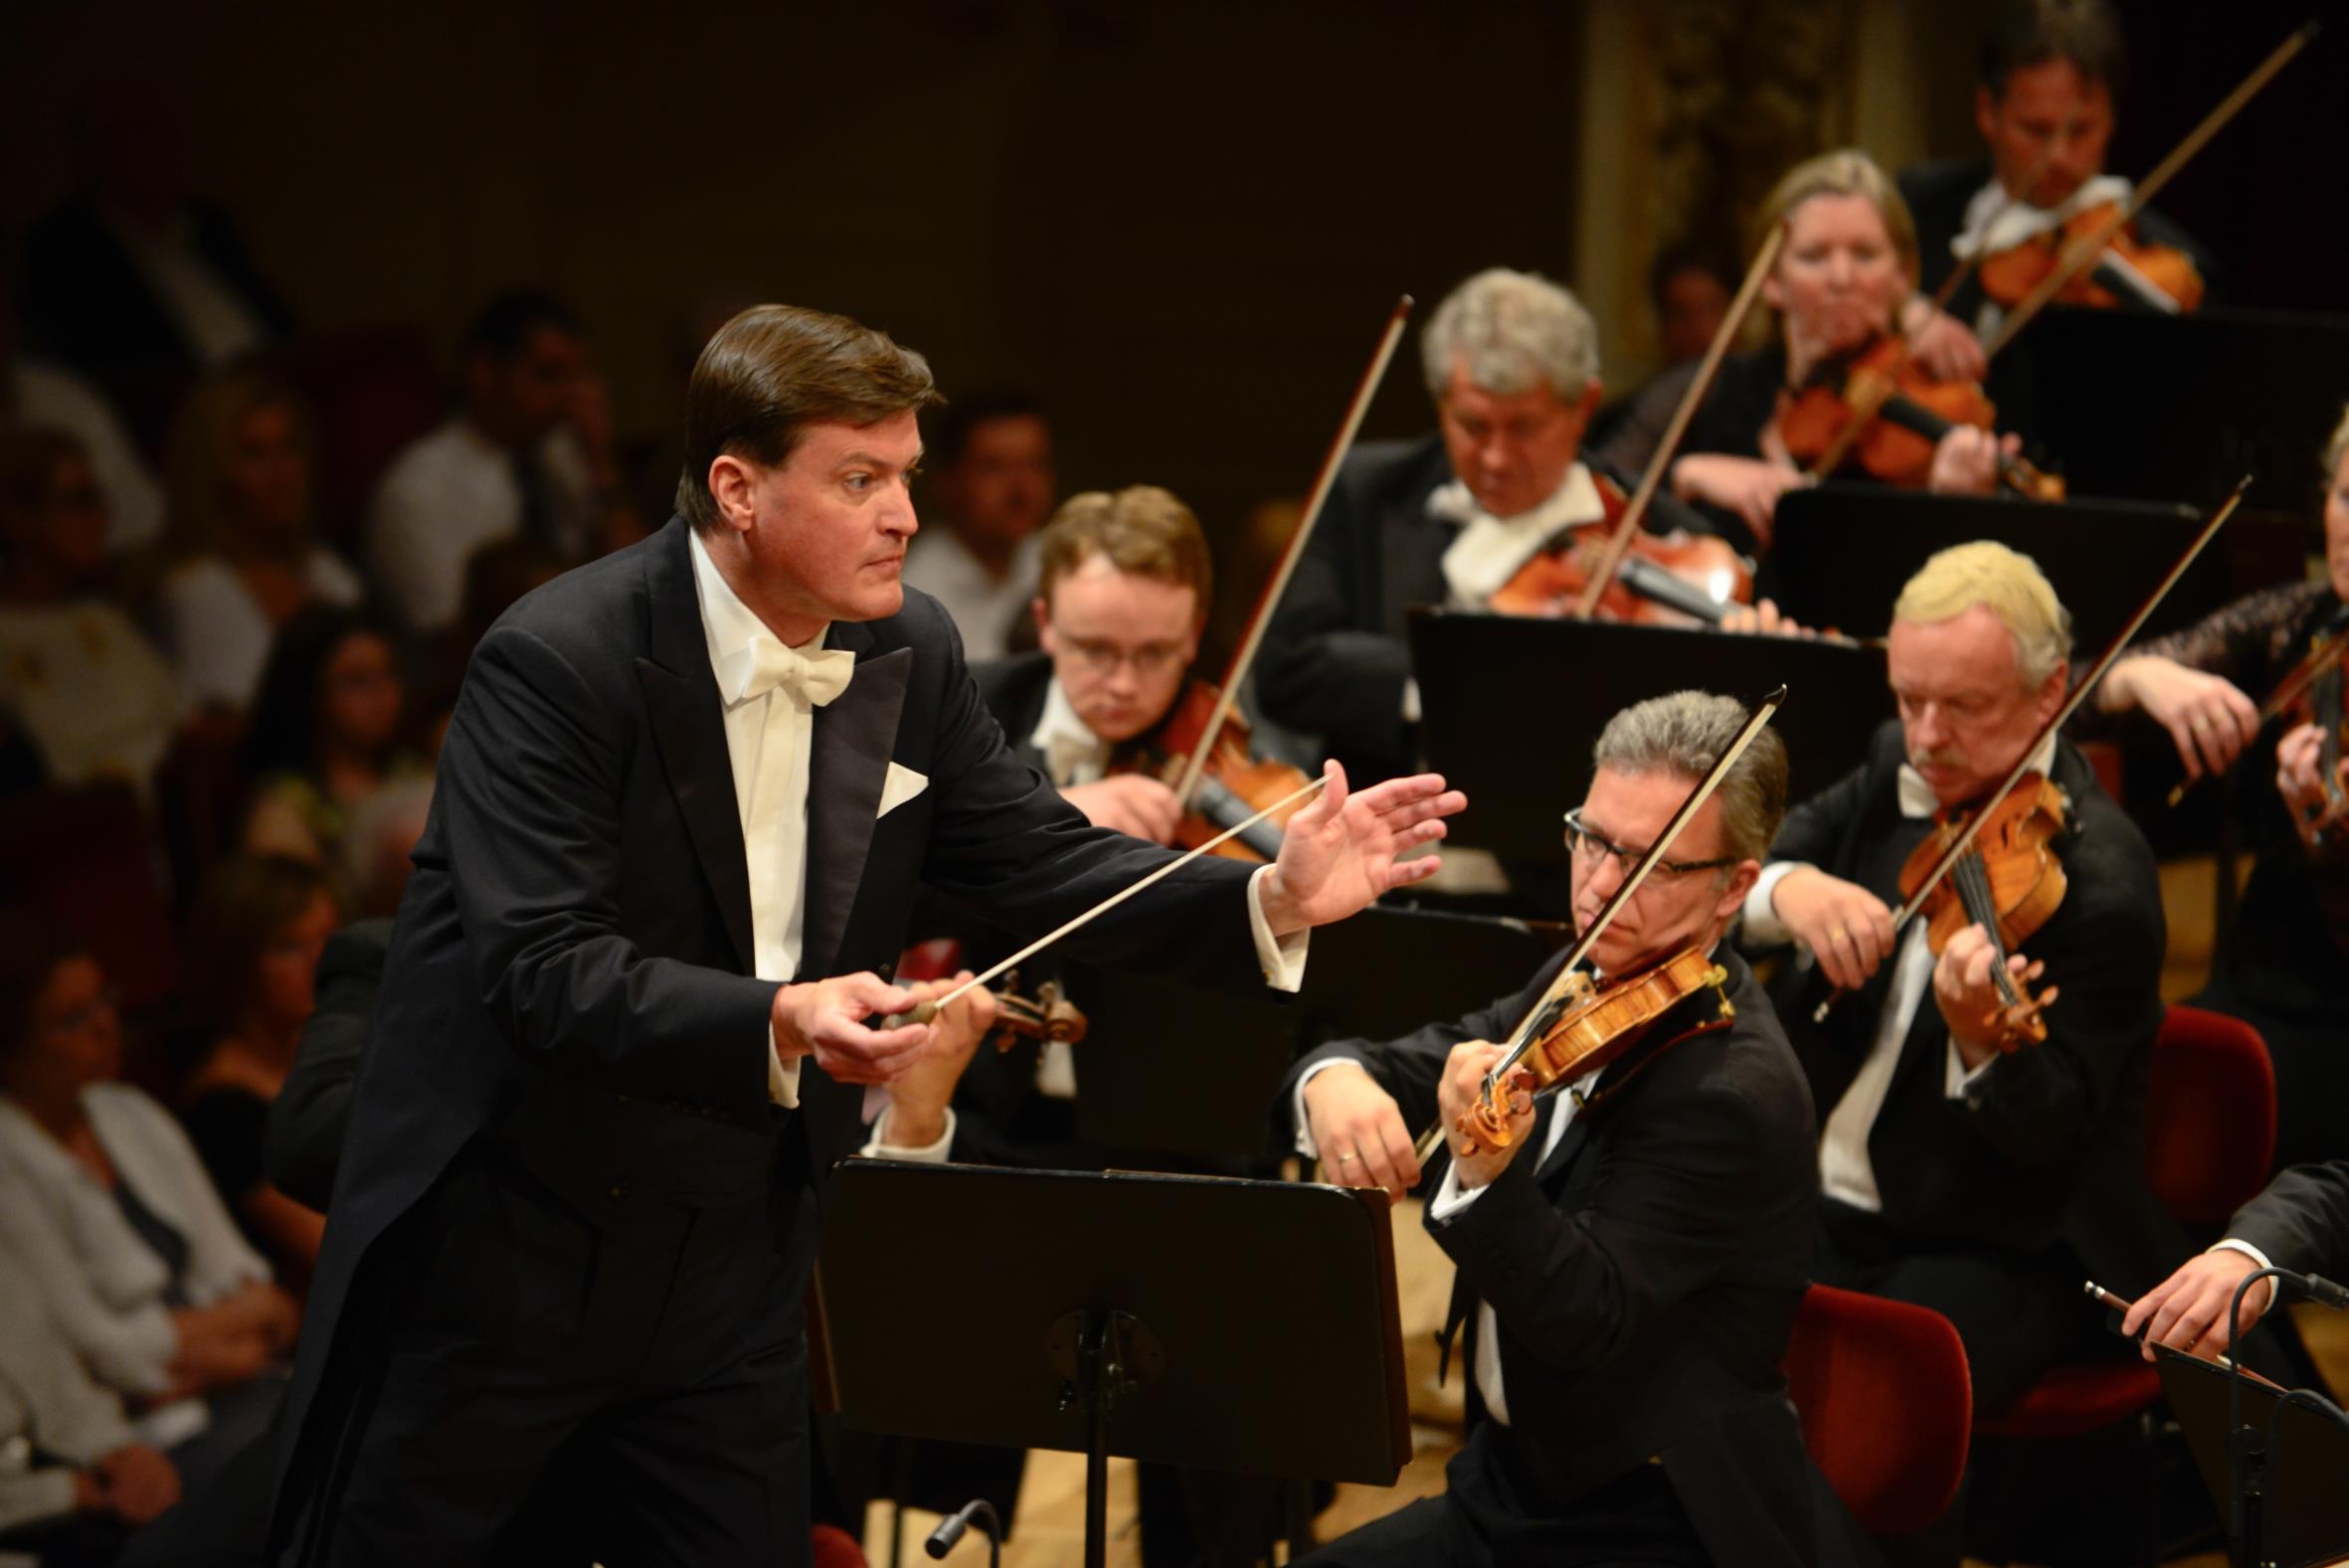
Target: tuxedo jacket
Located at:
point(570, 975)
point(1336, 652)
point(1645, 1278)
point(2301, 1222)
point(2051, 1144)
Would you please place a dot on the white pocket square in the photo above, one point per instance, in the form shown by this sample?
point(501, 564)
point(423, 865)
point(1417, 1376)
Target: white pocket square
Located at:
point(902, 786)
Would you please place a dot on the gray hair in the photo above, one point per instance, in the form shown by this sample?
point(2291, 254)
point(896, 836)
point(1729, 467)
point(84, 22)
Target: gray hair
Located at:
point(1512, 329)
point(1686, 733)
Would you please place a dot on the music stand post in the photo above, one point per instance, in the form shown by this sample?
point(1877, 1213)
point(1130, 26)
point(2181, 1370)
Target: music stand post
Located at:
point(1092, 1334)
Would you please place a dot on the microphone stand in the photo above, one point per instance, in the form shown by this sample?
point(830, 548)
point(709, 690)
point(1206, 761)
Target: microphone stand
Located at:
point(950, 1530)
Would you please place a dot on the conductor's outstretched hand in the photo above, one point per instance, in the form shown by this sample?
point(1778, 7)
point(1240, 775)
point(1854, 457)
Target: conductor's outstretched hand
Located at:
point(1340, 853)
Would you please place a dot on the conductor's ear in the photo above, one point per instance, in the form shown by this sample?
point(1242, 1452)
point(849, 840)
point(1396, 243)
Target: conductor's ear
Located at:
point(733, 483)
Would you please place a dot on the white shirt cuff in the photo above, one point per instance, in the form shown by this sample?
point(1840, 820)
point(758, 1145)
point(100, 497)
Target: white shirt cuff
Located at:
point(1410, 700)
point(1296, 1117)
point(1282, 958)
point(2238, 1244)
point(1763, 924)
point(1958, 1082)
point(1451, 1198)
point(782, 1078)
point(879, 1147)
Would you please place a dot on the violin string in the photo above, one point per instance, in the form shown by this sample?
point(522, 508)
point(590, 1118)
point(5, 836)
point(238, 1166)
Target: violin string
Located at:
point(1973, 878)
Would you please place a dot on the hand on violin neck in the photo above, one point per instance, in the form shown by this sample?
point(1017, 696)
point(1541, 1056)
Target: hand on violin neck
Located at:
point(1747, 486)
point(2300, 778)
point(1971, 1002)
point(1480, 1152)
point(1848, 929)
point(1943, 346)
point(1764, 620)
point(1134, 803)
point(1965, 461)
point(1343, 852)
point(2208, 719)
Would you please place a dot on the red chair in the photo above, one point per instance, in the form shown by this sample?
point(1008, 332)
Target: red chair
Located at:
point(2210, 1130)
point(1886, 1404)
point(831, 1548)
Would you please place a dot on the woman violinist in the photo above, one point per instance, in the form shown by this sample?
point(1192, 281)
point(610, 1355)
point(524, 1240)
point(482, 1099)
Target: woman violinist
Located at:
point(2206, 685)
point(1847, 268)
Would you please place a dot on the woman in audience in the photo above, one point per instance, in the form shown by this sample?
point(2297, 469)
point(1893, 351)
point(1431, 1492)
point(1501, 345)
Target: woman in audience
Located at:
point(240, 554)
point(85, 692)
point(257, 928)
point(325, 738)
point(109, 1211)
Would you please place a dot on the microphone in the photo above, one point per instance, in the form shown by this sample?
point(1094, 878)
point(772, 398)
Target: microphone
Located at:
point(2320, 1289)
point(951, 1530)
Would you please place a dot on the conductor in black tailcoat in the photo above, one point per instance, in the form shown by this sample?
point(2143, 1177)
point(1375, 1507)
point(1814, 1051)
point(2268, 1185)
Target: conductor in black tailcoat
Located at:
point(683, 805)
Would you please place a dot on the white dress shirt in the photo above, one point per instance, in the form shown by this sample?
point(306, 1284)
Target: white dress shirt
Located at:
point(89, 692)
point(215, 320)
point(218, 635)
point(1845, 1172)
point(452, 492)
point(1489, 550)
point(984, 609)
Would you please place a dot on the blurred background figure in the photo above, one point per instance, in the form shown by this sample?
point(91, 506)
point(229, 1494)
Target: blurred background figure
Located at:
point(44, 394)
point(527, 453)
point(991, 486)
point(87, 693)
point(242, 555)
point(1690, 288)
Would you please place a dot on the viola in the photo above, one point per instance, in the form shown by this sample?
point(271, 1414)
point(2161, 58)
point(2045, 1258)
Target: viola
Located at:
point(1670, 580)
point(1584, 1027)
point(2129, 270)
point(1880, 411)
point(2008, 880)
point(1232, 785)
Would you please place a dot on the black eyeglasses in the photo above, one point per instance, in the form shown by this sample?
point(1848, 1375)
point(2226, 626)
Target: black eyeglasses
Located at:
point(1581, 840)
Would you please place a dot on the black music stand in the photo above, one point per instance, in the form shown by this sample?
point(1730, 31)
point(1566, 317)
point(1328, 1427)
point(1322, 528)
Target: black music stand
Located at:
point(2171, 408)
point(1510, 707)
point(2302, 1512)
point(1843, 551)
point(1063, 1310)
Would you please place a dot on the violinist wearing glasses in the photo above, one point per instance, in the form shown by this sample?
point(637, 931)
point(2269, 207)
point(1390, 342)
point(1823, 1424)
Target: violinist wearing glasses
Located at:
point(1631, 1261)
point(2213, 687)
point(1977, 1158)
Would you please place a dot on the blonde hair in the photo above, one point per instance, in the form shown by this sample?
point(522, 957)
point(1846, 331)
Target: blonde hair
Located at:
point(201, 438)
point(1143, 530)
point(1844, 172)
point(2013, 588)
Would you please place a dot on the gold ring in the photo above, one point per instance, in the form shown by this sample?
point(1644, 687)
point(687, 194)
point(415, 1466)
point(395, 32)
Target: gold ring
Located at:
point(1837, 935)
point(2202, 721)
point(1343, 1158)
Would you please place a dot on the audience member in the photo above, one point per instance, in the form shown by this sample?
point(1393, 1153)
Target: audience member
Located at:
point(45, 394)
point(991, 487)
point(89, 1474)
point(241, 553)
point(132, 1253)
point(325, 738)
point(307, 1119)
point(529, 454)
point(90, 696)
point(254, 936)
point(134, 281)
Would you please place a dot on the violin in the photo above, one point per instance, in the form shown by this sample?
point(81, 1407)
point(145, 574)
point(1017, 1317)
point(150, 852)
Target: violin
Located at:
point(1232, 785)
point(1584, 1027)
point(2126, 269)
point(2008, 879)
point(1877, 408)
point(1047, 1015)
point(1673, 579)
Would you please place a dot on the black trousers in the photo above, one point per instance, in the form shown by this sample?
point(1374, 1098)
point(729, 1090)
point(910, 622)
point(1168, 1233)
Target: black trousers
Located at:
point(1486, 1518)
point(657, 1361)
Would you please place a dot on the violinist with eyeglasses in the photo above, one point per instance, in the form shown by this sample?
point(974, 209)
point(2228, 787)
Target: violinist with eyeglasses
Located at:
point(2256, 688)
point(1631, 1244)
point(1981, 1073)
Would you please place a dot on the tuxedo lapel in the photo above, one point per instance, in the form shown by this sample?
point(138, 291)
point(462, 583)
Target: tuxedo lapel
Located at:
point(847, 766)
point(690, 724)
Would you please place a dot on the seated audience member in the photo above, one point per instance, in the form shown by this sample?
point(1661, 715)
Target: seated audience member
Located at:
point(992, 486)
point(76, 1473)
point(324, 736)
point(1511, 361)
point(528, 453)
point(1691, 292)
point(2281, 968)
point(2300, 1222)
point(1631, 1262)
point(1839, 284)
point(254, 936)
point(241, 553)
point(44, 395)
point(91, 697)
point(112, 1218)
point(134, 280)
point(1961, 1167)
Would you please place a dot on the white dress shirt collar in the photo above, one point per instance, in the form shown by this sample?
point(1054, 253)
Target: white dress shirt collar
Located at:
point(1918, 797)
point(1073, 754)
point(732, 629)
point(1994, 223)
point(1489, 550)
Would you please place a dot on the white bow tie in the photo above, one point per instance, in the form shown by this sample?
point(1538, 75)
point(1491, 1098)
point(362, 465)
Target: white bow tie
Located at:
point(818, 675)
point(1916, 796)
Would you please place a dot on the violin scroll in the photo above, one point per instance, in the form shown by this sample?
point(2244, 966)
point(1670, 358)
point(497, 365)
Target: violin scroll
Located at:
point(1484, 1126)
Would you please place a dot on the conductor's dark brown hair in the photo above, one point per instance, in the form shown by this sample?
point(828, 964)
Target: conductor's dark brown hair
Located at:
point(774, 370)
